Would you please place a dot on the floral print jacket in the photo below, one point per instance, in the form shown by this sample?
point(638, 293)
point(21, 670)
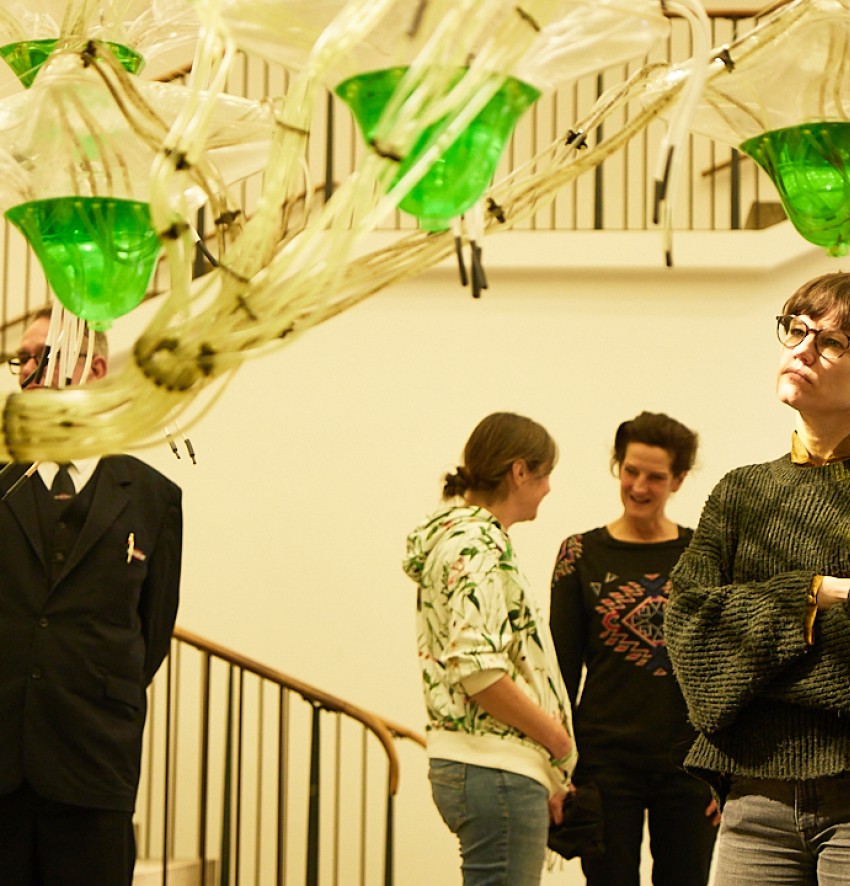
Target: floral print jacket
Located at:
point(474, 614)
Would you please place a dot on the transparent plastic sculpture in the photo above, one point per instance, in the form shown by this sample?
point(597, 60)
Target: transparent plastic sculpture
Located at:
point(281, 31)
point(781, 94)
point(469, 126)
point(75, 174)
point(98, 253)
point(456, 180)
point(136, 31)
point(293, 264)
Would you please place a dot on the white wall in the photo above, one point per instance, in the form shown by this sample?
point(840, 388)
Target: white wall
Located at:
point(318, 459)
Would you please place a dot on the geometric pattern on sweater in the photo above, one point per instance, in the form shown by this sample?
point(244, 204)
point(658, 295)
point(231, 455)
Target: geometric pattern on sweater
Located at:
point(607, 604)
point(633, 622)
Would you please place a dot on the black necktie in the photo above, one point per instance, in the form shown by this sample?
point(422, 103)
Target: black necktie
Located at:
point(63, 486)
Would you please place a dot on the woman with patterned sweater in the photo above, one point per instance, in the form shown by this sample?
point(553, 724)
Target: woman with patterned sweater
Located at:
point(609, 590)
point(758, 625)
point(499, 732)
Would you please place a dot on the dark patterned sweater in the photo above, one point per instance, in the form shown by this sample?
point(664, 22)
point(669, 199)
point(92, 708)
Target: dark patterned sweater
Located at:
point(766, 705)
point(606, 613)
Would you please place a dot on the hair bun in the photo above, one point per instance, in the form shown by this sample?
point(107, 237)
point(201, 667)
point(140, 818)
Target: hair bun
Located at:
point(457, 484)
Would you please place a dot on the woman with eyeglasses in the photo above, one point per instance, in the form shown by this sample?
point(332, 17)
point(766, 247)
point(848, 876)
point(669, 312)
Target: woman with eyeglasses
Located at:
point(609, 590)
point(758, 623)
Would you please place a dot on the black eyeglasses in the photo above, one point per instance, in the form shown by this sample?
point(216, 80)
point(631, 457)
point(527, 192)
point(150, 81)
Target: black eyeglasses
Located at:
point(829, 343)
point(17, 363)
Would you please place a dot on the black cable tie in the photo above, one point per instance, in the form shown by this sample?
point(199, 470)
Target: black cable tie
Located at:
point(496, 211)
point(528, 19)
point(464, 278)
point(385, 153)
point(661, 187)
point(726, 57)
point(479, 278)
point(207, 254)
point(89, 53)
point(227, 218)
point(174, 231)
point(578, 137)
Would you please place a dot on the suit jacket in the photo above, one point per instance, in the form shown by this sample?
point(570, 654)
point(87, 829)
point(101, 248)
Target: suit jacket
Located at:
point(78, 650)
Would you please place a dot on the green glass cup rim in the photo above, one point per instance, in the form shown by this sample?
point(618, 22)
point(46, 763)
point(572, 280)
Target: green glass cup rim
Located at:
point(131, 60)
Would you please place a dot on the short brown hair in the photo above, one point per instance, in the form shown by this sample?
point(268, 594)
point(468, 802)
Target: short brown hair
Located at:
point(497, 442)
point(657, 429)
point(821, 296)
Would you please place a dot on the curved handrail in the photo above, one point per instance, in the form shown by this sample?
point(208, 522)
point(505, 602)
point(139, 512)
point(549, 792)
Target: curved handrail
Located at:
point(384, 730)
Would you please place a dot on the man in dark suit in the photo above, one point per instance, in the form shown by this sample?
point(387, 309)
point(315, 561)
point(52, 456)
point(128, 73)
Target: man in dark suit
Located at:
point(89, 581)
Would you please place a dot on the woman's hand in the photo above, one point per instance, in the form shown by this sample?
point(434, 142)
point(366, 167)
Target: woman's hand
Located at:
point(556, 807)
point(833, 592)
point(712, 812)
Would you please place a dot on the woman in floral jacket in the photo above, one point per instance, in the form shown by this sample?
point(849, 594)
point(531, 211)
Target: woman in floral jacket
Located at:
point(499, 731)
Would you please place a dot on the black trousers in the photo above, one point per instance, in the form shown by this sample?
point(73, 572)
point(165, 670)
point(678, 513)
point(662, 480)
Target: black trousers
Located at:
point(44, 843)
point(681, 838)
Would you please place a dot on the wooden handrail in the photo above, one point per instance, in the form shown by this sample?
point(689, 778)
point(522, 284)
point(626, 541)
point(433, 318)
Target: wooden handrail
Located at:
point(384, 730)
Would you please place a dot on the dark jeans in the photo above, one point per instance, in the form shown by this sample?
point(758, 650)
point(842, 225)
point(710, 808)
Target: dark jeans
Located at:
point(681, 837)
point(43, 843)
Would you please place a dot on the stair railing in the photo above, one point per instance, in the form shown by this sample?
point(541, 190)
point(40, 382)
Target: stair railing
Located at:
point(255, 777)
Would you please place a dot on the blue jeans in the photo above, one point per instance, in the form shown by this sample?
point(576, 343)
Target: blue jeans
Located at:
point(501, 820)
point(779, 833)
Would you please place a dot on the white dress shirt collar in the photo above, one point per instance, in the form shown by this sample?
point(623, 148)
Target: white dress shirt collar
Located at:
point(81, 470)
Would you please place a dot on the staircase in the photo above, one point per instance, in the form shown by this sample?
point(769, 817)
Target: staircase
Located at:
point(251, 776)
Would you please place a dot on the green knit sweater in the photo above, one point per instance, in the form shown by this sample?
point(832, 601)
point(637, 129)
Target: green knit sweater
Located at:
point(765, 704)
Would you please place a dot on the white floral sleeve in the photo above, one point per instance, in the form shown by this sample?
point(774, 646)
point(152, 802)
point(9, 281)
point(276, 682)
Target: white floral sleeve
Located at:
point(479, 633)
